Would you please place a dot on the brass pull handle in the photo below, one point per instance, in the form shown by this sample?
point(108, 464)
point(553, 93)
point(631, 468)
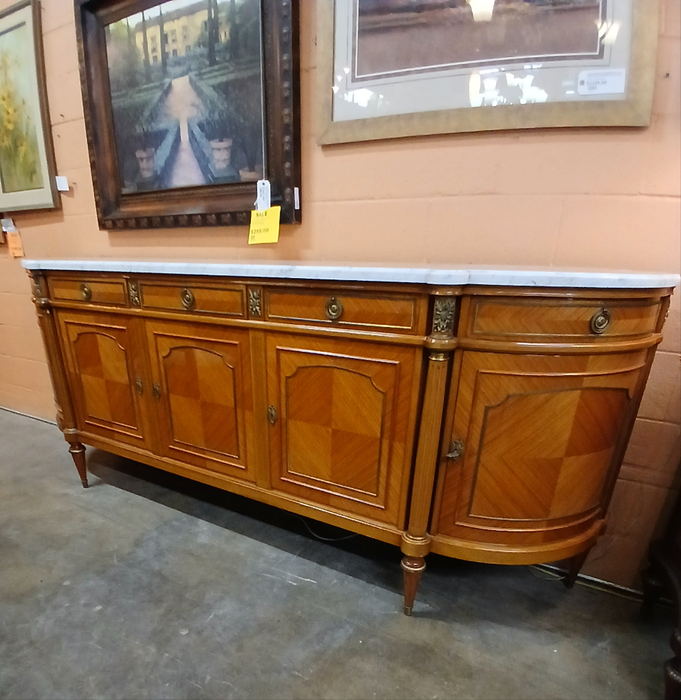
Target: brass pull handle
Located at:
point(157, 390)
point(85, 292)
point(139, 386)
point(600, 321)
point(187, 298)
point(455, 450)
point(334, 309)
point(272, 415)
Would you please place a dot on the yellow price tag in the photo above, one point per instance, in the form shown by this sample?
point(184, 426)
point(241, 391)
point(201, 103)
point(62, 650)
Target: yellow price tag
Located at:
point(16, 250)
point(264, 226)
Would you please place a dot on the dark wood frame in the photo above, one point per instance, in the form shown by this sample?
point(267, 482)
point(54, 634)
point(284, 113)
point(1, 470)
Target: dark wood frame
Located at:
point(45, 121)
point(210, 205)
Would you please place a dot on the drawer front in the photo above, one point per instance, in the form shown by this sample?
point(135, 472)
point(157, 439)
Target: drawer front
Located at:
point(385, 312)
point(222, 301)
point(579, 318)
point(109, 292)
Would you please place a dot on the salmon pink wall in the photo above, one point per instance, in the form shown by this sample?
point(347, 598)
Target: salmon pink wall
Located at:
point(589, 198)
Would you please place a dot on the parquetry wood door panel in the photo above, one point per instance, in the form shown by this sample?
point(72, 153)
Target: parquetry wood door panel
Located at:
point(344, 424)
point(104, 362)
point(203, 392)
point(539, 434)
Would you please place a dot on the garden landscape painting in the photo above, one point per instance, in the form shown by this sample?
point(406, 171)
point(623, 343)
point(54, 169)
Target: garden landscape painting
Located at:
point(20, 166)
point(186, 94)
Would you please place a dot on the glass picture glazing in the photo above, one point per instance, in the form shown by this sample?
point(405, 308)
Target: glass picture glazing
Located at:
point(405, 56)
point(186, 94)
point(20, 167)
point(26, 155)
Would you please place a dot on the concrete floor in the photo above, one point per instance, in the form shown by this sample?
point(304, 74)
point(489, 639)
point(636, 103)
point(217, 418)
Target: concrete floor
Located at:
point(150, 586)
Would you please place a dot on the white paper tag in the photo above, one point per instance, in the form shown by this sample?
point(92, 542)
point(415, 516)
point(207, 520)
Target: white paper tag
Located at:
point(8, 225)
point(604, 81)
point(264, 200)
point(296, 198)
point(62, 183)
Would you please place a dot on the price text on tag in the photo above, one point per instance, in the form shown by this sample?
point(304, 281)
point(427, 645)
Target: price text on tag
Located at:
point(16, 250)
point(264, 226)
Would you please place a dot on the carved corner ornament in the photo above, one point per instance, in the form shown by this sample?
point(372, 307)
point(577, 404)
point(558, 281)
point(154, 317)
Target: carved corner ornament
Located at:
point(255, 302)
point(40, 299)
point(134, 291)
point(443, 316)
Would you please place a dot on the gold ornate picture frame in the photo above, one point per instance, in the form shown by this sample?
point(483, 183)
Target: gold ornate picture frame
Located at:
point(396, 68)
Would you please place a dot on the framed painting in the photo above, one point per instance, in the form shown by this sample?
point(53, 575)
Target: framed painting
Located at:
point(188, 103)
point(26, 155)
point(393, 68)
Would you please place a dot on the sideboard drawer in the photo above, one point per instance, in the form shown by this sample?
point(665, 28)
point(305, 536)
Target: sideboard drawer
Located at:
point(225, 300)
point(577, 318)
point(387, 312)
point(102, 291)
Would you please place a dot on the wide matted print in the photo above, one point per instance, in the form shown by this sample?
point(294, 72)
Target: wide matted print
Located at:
point(404, 67)
point(188, 103)
point(26, 157)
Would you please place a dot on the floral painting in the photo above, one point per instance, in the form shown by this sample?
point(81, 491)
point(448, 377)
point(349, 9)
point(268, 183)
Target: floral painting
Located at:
point(20, 167)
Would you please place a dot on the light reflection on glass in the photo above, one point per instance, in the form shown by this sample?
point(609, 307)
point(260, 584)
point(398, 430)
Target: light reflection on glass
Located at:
point(360, 97)
point(608, 31)
point(491, 91)
point(482, 9)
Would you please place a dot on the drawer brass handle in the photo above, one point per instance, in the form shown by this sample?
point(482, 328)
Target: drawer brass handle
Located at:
point(187, 298)
point(157, 390)
point(272, 415)
point(334, 309)
point(600, 321)
point(455, 450)
point(85, 292)
point(139, 386)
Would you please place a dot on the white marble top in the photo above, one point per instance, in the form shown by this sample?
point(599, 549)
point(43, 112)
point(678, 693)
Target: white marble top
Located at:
point(500, 276)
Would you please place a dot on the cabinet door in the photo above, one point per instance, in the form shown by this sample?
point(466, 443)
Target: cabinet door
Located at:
point(104, 361)
point(204, 399)
point(539, 438)
point(344, 423)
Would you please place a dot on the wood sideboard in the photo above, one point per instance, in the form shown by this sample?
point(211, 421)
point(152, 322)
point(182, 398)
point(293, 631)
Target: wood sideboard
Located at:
point(485, 422)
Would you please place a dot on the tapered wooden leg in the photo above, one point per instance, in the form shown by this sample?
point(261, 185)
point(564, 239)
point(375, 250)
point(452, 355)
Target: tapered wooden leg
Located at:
point(575, 566)
point(413, 568)
point(77, 451)
point(672, 679)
